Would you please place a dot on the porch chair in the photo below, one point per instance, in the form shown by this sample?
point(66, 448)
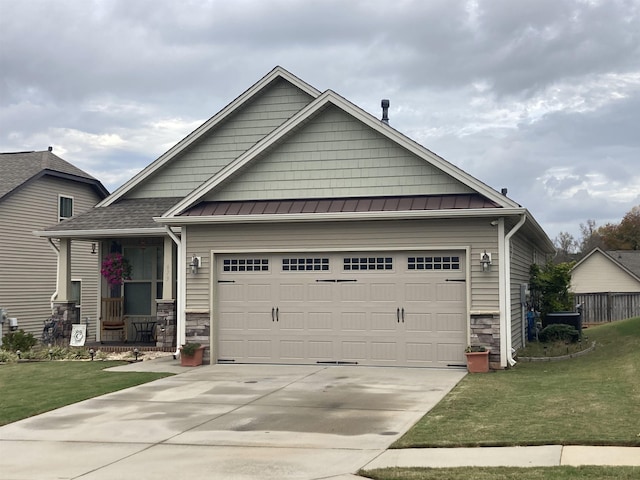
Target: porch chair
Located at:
point(112, 319)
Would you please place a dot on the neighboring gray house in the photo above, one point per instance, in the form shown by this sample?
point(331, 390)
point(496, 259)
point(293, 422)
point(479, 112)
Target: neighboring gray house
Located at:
point(38, 189)
point(293, 227)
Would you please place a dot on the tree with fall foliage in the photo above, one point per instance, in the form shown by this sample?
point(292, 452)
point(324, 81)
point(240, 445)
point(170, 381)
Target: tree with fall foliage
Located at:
point(625, 235)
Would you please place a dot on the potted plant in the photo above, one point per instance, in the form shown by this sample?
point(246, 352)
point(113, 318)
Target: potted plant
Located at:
point(477, 359)
point(191, 354)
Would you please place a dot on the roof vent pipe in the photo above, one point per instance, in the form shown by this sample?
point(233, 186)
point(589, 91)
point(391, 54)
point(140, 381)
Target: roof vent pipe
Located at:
point(504, 191)
point(50, 149)
point(385, 111)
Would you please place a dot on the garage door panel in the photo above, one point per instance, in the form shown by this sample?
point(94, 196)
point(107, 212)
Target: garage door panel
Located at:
point(421, 352)
point(449, 353)
point(383, 292)
point(232, 292)
point(386, 352)
point(320, 292)
point(419, 292)
point(320, 350)
point(353, 292)
point(256, 321)
point(291, 292)
point(233, 321)
point(258, 292)
point(375, 309)
point(353, 351)
point(259, 349)
point(320, 321)
point(230, 349)
point(450, 322)
point(450, 292)
point(353, 322)
point(384, 322)
point(419, 323)
point(291, 321)
point(292, 350)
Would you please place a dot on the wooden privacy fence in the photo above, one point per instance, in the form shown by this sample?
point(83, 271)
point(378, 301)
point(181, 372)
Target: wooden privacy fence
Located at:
point(608, 307)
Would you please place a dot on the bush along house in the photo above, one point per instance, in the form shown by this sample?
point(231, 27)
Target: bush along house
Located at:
point(293, 227)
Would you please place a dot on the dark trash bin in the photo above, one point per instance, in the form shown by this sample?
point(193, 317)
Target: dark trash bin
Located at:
point(567, 318)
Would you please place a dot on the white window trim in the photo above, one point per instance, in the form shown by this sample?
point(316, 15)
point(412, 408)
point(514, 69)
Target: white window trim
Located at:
point(73, 204)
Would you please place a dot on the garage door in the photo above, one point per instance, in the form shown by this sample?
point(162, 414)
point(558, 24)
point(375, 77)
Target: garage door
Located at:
point(405, 309)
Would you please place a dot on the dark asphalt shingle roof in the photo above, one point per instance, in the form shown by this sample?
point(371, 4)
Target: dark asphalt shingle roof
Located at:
point(630, 259)
point(135, 213)
point(17, 169)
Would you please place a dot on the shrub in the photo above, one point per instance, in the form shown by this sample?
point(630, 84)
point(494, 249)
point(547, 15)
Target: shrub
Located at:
point(8, 357)
point(550, 288)
point(18, 340)
point(559, 332)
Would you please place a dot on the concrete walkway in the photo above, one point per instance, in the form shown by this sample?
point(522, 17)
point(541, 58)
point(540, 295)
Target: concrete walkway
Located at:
point(541, 456)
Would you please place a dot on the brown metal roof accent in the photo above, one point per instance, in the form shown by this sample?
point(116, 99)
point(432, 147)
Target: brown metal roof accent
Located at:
point(342, 205)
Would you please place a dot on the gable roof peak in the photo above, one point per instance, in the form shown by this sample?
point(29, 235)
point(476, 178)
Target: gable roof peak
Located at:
point(18, 168)
point(276, 73)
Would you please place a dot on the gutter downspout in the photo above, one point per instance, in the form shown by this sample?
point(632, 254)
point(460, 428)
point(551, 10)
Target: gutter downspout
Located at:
point(507, 287)
point(57, 250)
point(182, 268)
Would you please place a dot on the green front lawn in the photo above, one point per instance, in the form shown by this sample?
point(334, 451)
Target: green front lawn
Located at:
point(591, 400)
point(32, 388)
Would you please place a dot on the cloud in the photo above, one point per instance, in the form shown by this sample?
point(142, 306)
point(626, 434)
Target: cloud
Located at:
point(541, 96)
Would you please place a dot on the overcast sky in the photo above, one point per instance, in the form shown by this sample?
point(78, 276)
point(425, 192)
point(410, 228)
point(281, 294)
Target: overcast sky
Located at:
point(541, 97)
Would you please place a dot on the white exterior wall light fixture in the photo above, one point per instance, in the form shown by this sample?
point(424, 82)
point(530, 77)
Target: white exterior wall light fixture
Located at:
point(485, 261)
point(195, 264)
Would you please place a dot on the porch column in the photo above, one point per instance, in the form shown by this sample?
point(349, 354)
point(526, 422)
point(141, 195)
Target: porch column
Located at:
point(64, 270)
point(166, 307)
point(64, 308)
point(168, 285)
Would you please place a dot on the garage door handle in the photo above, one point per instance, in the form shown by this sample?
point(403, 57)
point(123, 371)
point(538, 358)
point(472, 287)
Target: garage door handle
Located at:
point(402, 314)
point(345, 280)
point(277, 314)
point(273, 316)
point(398, 314)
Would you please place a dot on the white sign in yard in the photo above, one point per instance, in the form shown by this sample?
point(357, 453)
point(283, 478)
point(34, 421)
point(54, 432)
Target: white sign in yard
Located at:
point(78, 335)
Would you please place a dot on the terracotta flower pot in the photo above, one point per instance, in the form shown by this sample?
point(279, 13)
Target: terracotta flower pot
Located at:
point(194, 360)
point(477, 362)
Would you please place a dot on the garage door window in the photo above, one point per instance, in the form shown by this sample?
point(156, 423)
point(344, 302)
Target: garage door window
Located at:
point(433, 263)
point(368, 263)
point(305, 264)
point(246, 265)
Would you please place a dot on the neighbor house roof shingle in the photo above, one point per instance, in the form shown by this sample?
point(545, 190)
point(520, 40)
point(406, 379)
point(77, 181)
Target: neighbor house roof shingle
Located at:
point(17, 169)
point(630, 259)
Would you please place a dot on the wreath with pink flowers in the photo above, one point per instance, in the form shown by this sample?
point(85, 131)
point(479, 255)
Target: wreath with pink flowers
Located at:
point(115, 269)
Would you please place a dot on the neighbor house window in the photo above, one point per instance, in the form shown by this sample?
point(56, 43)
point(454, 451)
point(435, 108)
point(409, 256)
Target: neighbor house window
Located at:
point(65, 207)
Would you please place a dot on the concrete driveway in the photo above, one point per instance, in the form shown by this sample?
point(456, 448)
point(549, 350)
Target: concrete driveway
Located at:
point(228, 422)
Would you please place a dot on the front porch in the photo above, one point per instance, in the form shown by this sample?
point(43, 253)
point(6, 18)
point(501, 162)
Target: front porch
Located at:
point(136, 305)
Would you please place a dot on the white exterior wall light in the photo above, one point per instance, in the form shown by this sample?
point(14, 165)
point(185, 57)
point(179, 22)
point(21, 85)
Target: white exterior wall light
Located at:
point(195, 264)
point(485, 261)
